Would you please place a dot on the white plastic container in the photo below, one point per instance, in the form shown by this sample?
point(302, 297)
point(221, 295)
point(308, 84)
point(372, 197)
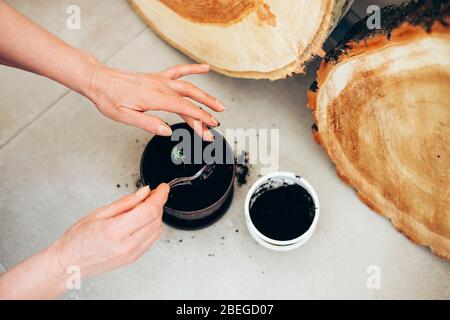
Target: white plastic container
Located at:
point(272, 244)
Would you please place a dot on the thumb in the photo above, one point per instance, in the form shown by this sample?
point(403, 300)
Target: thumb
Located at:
point(159, 196)
point(125, 203)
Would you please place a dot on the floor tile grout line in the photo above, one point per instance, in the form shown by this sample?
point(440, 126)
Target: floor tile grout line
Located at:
point(112, 55)
point(52, 104)
point(28, 124)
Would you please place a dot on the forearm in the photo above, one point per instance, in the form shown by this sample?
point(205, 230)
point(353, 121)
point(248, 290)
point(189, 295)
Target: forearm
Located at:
point(39, 277)
point(25, 45)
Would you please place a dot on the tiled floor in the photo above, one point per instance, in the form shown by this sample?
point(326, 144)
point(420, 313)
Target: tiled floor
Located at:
point(59, 159)
point(101, 34)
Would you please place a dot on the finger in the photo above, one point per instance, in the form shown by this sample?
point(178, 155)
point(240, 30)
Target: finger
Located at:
point(160, 194)
point(146, 244)
point(144, 213)
point(187, 89)
point(145, 122)
point(200, 129)
point(185, 70)
point(124, 204)
point(142, 235)
point(183, 106)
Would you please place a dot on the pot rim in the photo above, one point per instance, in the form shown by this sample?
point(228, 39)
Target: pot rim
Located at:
point(201, 213)
point(287, 244)
point(278, 248)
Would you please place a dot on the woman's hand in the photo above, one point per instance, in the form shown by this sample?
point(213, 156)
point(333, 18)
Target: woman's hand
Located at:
point(125, 96)
point(120, 95)
point(108, 238)
point(114, 235)
point(120, 233)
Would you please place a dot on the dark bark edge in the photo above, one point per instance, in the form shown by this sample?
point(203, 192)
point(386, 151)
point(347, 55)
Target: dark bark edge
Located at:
point(422, 13)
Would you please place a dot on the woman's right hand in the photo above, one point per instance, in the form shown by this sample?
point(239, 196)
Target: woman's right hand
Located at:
point(126, 97)
point(114, 235)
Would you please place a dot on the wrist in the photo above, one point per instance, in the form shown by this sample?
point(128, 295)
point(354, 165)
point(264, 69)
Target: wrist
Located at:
point(91, 67)
point(55, 274)
point(39, 277)
point(52, 256)
point(99, 78)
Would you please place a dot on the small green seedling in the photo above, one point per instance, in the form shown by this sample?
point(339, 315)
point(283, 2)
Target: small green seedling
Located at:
point(177, 155)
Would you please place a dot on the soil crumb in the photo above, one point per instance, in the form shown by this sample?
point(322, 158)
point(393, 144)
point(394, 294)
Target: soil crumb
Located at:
point(242, 169)
point(139, 183)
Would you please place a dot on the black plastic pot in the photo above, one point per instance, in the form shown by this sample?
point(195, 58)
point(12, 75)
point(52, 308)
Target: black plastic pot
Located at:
point(192, 206)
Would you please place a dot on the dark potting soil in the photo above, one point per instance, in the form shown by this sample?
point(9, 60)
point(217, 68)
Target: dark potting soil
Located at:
point(282, 213)
point(157, 167)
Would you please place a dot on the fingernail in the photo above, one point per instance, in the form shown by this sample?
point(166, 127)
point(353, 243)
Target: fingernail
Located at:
point(142, 192)
point(165, 131)
point(208, 136)
point(221, 105)
point(214, 121)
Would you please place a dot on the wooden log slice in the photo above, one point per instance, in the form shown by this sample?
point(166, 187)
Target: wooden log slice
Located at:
point(261, 39)
point(382, 110)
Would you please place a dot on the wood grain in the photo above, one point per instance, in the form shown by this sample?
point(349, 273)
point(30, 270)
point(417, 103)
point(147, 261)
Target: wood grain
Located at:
point(260, 39)
point(382, 113)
